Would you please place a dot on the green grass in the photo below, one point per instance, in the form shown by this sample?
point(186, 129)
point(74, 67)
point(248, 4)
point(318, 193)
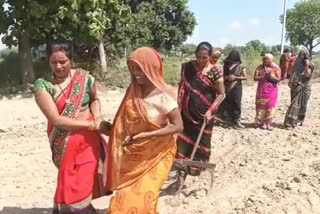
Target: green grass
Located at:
point(118, 74)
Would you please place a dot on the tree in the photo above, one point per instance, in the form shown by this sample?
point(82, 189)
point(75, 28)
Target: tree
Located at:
point(33, 22)
point(303, 24)
point(19, 22)
point(257, 46)
point(88, 21)
point(188, 49)
point(161, 24)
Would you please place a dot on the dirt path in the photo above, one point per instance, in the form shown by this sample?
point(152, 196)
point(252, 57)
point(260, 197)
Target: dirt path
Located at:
point(257, 171)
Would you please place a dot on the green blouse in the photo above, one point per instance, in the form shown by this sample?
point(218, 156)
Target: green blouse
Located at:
point(44, 85)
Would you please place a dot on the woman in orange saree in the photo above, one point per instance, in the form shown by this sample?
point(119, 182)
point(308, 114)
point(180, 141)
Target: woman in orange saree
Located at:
point(70, 104)
point(142, 144)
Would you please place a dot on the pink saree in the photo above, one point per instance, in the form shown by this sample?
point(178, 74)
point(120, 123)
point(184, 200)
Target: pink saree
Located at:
point(266, 97)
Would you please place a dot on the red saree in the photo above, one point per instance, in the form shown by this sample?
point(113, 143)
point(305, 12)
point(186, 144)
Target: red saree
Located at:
point(75, 153)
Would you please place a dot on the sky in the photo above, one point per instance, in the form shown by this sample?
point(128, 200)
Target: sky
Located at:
point(236, 22)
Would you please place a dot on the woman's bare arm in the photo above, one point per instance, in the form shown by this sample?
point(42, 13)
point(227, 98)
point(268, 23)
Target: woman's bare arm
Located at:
point(49, 109)
point(256, 76)
point(220, 91)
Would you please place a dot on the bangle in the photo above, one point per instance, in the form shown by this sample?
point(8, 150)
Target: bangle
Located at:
point(212, 108)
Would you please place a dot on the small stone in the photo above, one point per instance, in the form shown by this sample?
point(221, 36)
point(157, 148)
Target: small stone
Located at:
point(297, 180)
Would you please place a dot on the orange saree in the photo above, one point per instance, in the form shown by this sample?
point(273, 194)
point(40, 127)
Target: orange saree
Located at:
point(137, 171)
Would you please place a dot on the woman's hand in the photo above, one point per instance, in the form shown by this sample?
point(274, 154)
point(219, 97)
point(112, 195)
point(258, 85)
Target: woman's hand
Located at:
point(102, 126)
point(141, 135)
point(209, 115)
point(230, 78)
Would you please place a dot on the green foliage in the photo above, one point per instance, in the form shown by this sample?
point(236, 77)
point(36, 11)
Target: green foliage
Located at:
point(172, 66)
point(303, 24)
point(118, 77)
point(160, 24)
point(9, 68)
point(188, 49)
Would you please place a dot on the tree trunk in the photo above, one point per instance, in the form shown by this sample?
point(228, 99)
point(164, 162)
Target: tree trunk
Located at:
point(25, 58)
point(103, 60)
point(310, 51)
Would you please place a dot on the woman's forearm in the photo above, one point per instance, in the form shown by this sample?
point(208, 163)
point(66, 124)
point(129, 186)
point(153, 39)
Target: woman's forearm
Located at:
point(70, 124)
point(219, 99)
point(256, 76)
point(241, 78)
point(167, 130)
point(95, 108)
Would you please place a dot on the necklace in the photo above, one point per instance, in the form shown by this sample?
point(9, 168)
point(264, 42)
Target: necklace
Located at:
point(62, 90)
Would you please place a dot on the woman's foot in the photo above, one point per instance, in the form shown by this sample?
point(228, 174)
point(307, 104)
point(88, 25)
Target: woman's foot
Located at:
point(269, 128)
point(238, 124)
point(263, 126)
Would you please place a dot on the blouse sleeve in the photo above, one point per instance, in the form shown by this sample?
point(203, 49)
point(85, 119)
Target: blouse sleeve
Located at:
point(42, 85)
point(168, 104)
point(215, 75)
point(90, 81)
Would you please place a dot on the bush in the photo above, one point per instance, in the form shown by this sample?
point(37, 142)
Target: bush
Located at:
point(9, 68)
point(118, 76)
point(172, 68)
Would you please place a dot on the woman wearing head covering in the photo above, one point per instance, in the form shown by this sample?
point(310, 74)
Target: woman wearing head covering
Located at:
point(142, 144)
point(268, 75)
point(214, 60)
point(300, 85)
point(201, 92)
point(70, 103)
point(234, 74)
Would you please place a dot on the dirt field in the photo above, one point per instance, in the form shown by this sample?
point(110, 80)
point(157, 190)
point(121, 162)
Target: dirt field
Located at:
point(257, 171)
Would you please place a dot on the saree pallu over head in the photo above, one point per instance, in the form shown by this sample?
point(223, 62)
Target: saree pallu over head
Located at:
point(267, 93)
point(128, 164)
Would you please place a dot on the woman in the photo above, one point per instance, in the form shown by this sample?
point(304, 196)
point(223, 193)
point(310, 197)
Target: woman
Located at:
point(284, 63)
point(300, 85)
point(214, 60)
point(268, 75)
point(201, 92)
point(143, 141)
point(234, 74)
point(69, 102)
point(292, 62)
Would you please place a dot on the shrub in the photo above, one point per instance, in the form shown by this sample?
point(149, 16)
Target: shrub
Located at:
point(9, 68)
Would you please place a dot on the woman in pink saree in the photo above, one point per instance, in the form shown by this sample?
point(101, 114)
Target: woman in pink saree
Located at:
point(268, 75)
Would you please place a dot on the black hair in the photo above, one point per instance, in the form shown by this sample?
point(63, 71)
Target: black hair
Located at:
point(286, 50)
point(204, 46)
point(60, 46)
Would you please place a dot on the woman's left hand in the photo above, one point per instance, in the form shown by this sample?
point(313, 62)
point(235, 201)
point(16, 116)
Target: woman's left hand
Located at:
point(231, 78)
point(141, 135)
point(209, 115)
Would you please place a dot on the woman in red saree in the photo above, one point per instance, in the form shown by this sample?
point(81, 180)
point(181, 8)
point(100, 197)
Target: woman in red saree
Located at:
point(70, 103)
point(142, 143)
